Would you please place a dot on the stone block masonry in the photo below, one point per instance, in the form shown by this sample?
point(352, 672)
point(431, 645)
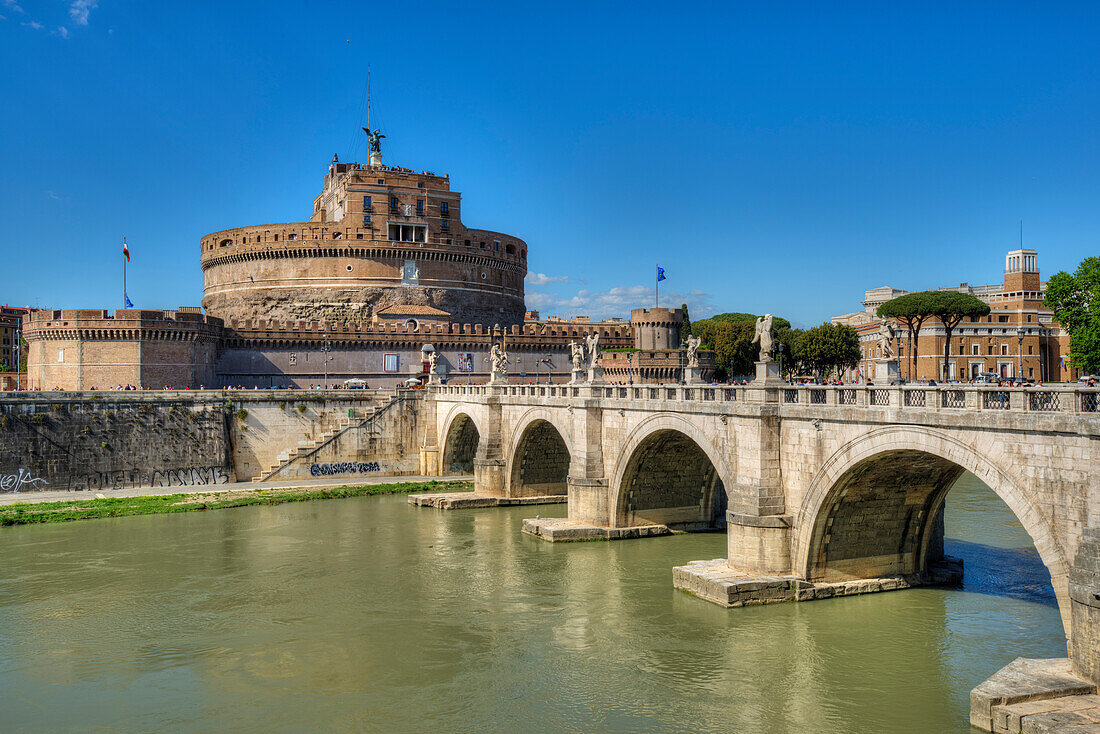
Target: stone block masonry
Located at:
point(114, 440)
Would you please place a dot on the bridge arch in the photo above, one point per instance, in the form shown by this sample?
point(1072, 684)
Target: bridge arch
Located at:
point(462, 436)
point(538, 455)
point(671, 473)
point(871, 509)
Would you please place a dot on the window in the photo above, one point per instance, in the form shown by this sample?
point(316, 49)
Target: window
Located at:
point(510, 249)
point(410, 274)
point(60, 355)
point(482, 245)
point(443, 209)
point(366, 220)
point(1029, 318)
point(1029, 348)
point(366, 203)
point(292, 236)
point(419, 184)
point(359, 236)
point(390, 362)
point(1002, 319)
point(394, 203)
point(991, 349)
point(496, 245)
point(381, 181)
point(445, 225)
point(419, 206)
point(467, 243)
point(276, 238)
point(974, 349)
point(408, 232)
point(1004, 350)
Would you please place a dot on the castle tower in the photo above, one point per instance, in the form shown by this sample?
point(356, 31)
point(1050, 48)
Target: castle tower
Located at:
point(656, 328)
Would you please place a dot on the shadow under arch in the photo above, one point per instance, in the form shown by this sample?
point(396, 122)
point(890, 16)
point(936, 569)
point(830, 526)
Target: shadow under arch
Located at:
point(872, 510)
point(539, 461)
point(460, 445)
point(669, 473)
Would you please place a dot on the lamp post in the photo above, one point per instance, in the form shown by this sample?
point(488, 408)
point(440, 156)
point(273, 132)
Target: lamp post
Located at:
point(630, 368)
point(1020, 353)
point(549, 362)
point(325, 349)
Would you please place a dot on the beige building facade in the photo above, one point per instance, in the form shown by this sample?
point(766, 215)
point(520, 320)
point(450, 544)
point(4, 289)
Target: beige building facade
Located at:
point(1019, 337)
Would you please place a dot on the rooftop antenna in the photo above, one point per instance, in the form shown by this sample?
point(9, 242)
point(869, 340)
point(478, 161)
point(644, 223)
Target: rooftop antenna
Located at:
point(374, 137)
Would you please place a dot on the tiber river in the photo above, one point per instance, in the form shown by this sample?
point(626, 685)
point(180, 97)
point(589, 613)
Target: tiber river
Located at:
point(370, 615)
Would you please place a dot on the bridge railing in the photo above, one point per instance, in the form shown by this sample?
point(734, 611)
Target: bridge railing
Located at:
point(1044, 399)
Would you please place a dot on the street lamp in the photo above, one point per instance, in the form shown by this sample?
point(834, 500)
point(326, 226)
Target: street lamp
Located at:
point(325, 349)
point(1020, 353)
point(630, 368)
point(549, 362)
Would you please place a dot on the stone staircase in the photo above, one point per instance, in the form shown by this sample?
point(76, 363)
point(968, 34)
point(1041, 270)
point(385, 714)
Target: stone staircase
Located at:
point(305, 448)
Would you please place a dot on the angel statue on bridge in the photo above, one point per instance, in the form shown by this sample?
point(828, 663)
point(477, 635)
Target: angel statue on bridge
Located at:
point(592, 341)
point(886, 339)
point(499, 359)
point(693, 343)
point(763, 335)
point(576, 350)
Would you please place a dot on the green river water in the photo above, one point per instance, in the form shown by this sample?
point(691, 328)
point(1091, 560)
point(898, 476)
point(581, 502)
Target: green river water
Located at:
point(368, 614)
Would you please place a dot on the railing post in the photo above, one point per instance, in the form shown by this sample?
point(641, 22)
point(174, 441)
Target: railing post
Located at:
point(863, 396)
point(1069, 401)
point(1017, 399)
point(973, 399)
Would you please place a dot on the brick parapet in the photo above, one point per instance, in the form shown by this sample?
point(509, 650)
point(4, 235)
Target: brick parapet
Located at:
point(184, 324)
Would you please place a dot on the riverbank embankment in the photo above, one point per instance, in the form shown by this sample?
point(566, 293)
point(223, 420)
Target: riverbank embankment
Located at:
point(67, 510)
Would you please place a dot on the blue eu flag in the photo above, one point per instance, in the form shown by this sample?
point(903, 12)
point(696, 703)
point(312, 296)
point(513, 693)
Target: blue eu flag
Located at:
point(660, 273)
point(128, 303)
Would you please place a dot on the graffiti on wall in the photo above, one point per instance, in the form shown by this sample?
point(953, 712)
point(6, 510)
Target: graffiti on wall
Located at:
point(345, 467)
point(22, 479)
point(184, 477)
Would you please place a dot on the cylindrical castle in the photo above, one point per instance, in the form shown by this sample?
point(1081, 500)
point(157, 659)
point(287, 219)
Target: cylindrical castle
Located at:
point(381, 240)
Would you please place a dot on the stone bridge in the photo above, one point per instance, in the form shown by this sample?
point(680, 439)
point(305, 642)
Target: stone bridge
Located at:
point(822, 491)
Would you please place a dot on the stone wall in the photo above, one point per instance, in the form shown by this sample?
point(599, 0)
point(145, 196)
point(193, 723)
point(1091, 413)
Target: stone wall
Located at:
point(114, 440)
point(58, 442)
point(384, 444)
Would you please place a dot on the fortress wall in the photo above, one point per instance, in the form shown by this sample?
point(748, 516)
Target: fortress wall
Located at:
point(112, 440)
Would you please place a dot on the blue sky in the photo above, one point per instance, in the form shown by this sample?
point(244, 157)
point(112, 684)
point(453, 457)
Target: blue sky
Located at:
point(778, 157)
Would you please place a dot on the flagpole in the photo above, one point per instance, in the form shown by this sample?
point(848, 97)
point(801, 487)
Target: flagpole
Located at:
point(657, 283)
point(124, 274)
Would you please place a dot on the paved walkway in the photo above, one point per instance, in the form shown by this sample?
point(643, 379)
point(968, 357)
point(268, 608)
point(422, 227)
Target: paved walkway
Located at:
point(55, 496)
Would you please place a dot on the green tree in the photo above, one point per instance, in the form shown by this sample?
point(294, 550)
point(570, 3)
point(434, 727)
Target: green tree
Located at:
point(827, 348)
point(730, 336)
point(685, 328)
point(912, 310)
point(4, 366)
point(23, 350)
point(951, 307)
point(1075, 301)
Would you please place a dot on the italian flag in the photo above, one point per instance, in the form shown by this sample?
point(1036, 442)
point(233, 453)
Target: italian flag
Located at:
point(125, 250)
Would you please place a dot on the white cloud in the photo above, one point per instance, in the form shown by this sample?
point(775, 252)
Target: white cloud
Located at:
point(62, 31)
point(544, 279)
point(53, 195)
point(616, 302)
point(79, 10)
point(33, 24)
point(13, 6)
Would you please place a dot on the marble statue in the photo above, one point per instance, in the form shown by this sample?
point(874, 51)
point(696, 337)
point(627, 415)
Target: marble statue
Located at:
point(499, 359)
point(592, 342)
point(693, 343)
point(577, 351)
point(764, 335)
point(886, 339)
point(432, 359)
